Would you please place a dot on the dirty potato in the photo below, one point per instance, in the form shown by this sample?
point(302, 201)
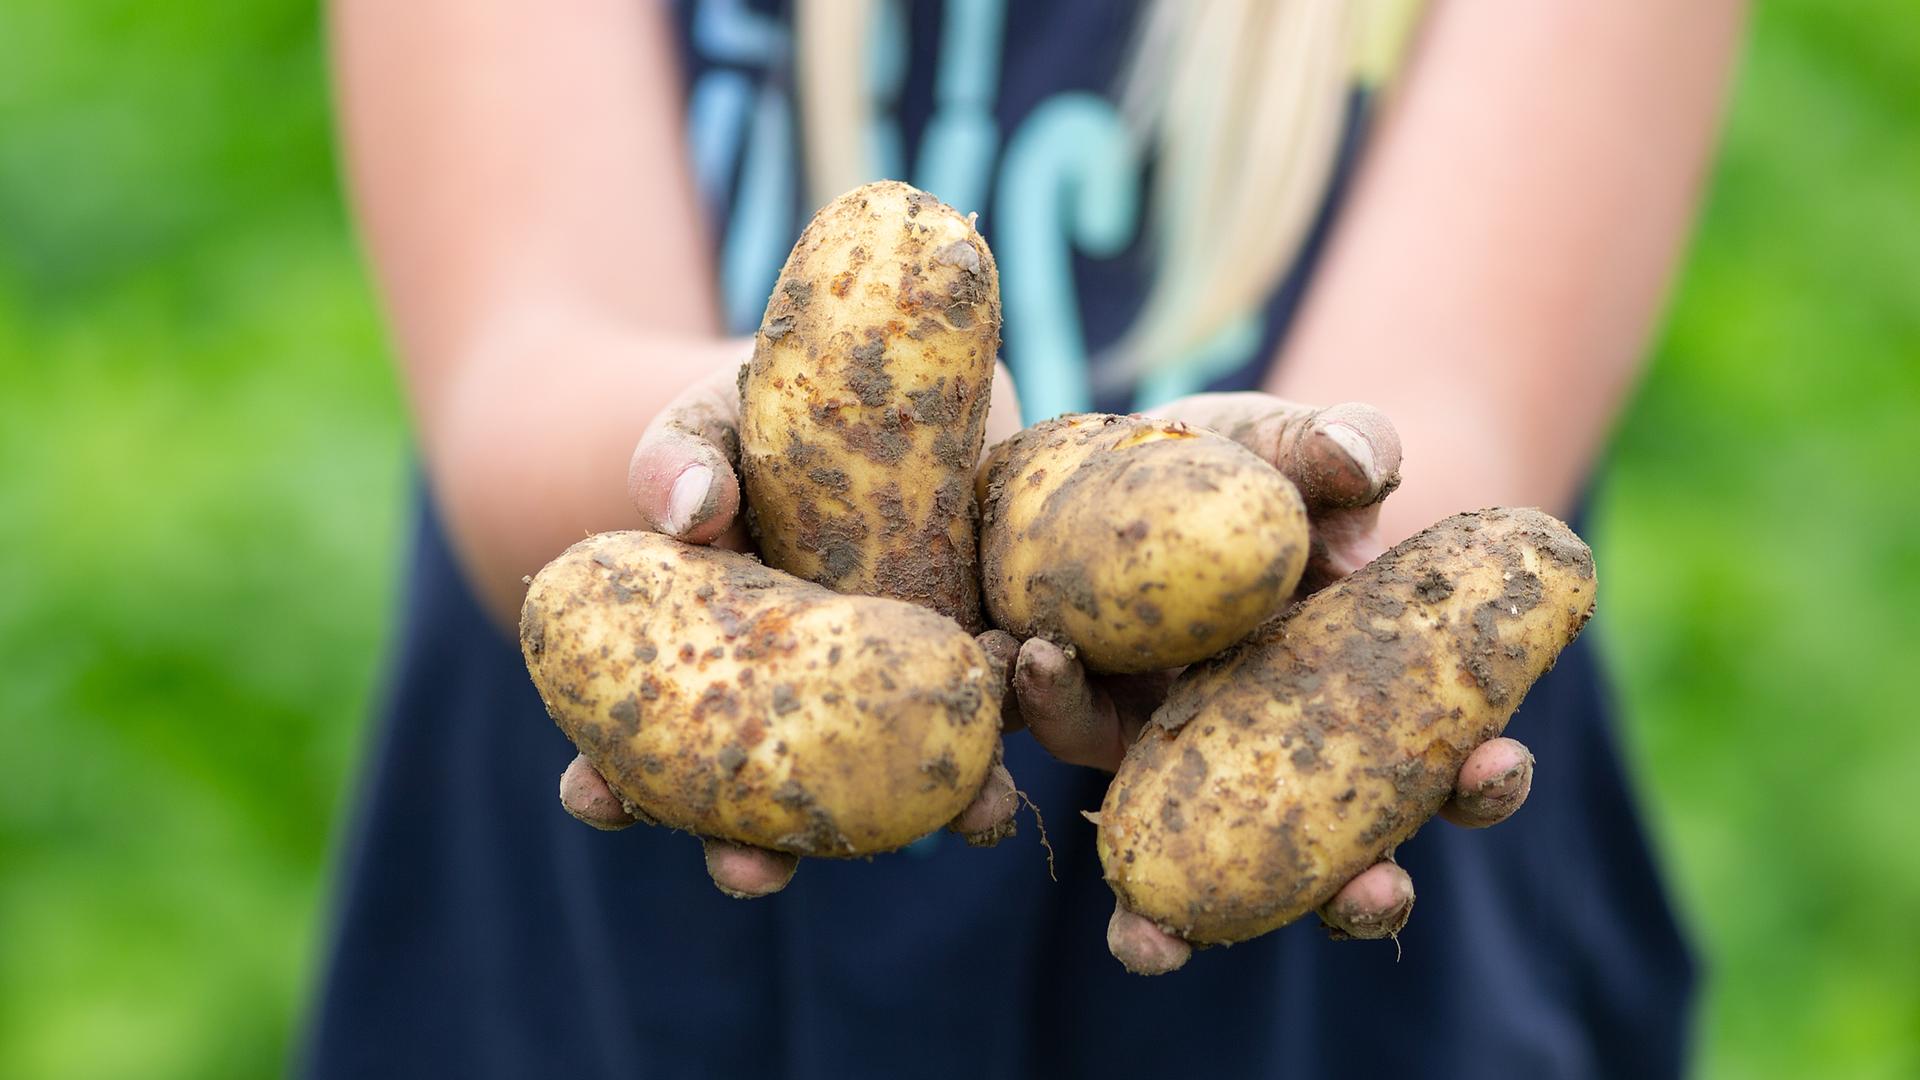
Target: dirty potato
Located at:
point(1276, 772)
point(1145, 544)
point(865, 404)
point(722, 697)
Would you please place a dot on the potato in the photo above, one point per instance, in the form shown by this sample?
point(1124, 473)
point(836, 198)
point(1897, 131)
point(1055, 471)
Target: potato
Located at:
point(1144, 544)
point(722, 697)
point(1279, 770)
point(865, 404)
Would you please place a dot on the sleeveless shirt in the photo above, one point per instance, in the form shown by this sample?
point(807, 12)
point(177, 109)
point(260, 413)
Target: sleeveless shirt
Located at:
point(481, 932)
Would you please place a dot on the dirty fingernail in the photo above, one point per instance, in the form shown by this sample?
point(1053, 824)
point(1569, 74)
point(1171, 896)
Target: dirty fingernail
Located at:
point(689, 494)
point(1039, 659)
point(1507, 784)
point(1143, 948)
point(989, 818)
point(1358, 448)
point(1496, 798)
point(744, 872)
point(586, 795)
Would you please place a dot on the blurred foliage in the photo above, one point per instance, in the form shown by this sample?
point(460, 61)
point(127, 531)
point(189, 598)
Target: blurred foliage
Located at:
point(1758, 533)
point(203, 475)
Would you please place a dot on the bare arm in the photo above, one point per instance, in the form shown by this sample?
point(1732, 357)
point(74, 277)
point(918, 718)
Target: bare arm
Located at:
point(520, 183)
point(1497, 275)
point(1491, 288)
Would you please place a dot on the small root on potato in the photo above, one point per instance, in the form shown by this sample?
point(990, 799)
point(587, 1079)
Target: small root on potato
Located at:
point(1041, 823)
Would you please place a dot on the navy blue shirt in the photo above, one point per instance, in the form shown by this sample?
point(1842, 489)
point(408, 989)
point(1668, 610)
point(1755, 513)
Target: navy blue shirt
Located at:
point(482, 932)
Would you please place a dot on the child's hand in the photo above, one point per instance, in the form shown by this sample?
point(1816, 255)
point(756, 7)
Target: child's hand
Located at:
point(684, 483)
point(1345, 460)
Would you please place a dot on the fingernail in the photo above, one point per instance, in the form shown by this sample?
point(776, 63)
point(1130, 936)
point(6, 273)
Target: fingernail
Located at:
point(1143, 948)
point(1396, 920)
point(1358, 448)
point(1349, 919)
point(746, 873)
point(1496, 798)
point(1502, 787)
point(688, 496)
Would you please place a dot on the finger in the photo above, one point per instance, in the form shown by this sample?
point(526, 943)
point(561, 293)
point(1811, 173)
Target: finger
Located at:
point(585, 794)
point(1003, 653)
point(1341, 457)
point(1342, 541)
point(1375, 904)
point(988, 819)
point(1143, 948)
point(683, 477)
point(1344, 460)
point(1061, 709)
point(1135, 697)
point(1253, 419)
point(1492, 784)
point(744, 872)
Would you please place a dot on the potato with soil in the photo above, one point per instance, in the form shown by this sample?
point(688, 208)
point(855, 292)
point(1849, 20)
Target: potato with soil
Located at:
point(722, 697)
point(865, 404)
point(1145, 544)
point(1276, 772)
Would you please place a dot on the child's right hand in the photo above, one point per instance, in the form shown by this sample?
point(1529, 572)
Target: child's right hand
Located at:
point(684, 483)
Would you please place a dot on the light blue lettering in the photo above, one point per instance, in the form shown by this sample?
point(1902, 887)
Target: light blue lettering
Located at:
point(762, 229)
point(1227, 351)
point(716, 125)
point(960, 141)
point(727, 30)
point(1070, 179)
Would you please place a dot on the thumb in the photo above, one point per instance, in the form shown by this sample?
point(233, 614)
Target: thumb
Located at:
point(682, 477)
point(683, 488)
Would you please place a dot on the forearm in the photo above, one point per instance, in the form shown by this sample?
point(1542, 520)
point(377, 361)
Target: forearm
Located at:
point(520, 185)
point(1503, 259)
point(528, 451)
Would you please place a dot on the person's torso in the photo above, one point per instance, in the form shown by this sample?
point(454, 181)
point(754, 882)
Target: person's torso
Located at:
point(480, 931)
point(1001, 108)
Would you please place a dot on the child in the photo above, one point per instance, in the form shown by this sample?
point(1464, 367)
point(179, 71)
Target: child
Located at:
point(574, 214)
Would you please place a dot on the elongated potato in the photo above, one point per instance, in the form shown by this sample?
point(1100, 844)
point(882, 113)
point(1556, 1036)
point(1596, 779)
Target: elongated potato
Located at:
point(722, 697)
point(865, 404)
point(1145, 544)
point(1279, 770)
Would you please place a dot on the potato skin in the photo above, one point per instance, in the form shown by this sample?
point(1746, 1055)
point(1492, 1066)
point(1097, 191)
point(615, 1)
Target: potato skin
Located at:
point(1276, 772)
point(865, 404)
point(1145, 544)
point(722, 697)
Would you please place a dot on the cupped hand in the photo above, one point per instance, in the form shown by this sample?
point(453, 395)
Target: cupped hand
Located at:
point(684, 483)
point(1345, 460)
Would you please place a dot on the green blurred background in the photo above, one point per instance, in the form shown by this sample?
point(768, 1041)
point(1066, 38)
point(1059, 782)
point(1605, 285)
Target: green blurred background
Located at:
point(203, 471)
